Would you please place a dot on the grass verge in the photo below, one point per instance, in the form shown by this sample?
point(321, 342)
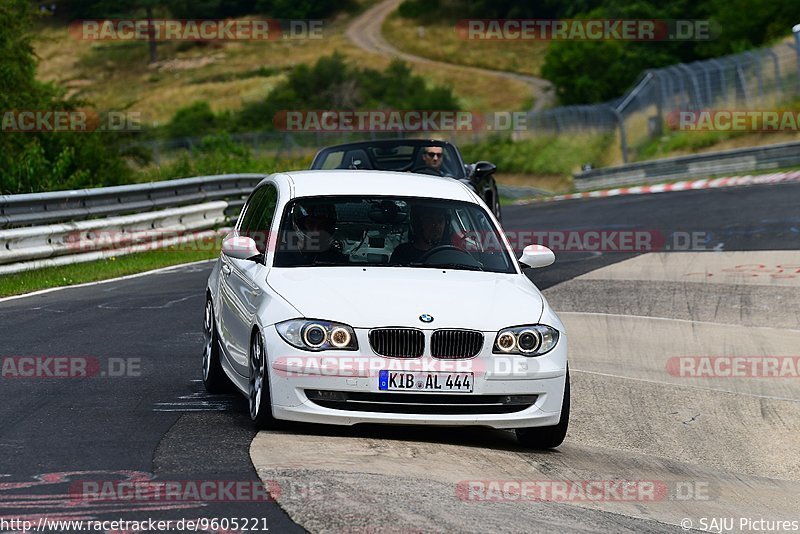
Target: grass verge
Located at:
point(544, 161)
point(67, 275)
point(116, 75)
point(441, 42)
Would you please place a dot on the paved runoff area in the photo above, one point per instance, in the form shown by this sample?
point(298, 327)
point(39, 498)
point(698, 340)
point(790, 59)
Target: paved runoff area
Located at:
point(685, 415)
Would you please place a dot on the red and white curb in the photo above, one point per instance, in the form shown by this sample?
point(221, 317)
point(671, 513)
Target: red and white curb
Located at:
point(706, 183)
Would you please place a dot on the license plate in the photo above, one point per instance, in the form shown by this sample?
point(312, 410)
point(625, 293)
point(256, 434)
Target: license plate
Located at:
point(436, 381)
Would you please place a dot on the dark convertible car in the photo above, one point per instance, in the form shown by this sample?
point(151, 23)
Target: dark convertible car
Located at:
point(425, 156)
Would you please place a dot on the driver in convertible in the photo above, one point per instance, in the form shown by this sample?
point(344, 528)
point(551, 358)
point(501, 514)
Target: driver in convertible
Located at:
point(428, 225)
point(313, 226)
point(433, 157)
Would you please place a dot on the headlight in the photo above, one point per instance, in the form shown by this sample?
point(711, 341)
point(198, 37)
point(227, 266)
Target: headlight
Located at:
point(317, 335)
point(533, 340)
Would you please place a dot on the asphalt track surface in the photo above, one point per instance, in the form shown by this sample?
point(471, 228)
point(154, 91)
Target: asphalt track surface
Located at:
point(161, 425)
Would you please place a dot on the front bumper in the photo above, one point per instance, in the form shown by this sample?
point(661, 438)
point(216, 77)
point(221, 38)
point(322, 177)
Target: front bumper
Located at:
point(294, 373)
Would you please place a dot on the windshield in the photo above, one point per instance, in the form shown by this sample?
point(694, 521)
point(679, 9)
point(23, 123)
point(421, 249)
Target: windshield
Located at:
point(436, 159)
point(390, 232)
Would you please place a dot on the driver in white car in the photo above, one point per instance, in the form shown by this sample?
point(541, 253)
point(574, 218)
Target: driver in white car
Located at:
point(427, 232)
point(314, 225)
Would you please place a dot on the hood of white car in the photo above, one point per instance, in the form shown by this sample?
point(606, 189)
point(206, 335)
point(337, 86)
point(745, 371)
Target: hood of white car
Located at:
point(397, 296)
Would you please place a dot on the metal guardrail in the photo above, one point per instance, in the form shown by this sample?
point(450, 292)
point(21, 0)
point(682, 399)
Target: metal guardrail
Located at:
point(63, 206)
point(63, 227)
point(762, 158)
point(153, 228)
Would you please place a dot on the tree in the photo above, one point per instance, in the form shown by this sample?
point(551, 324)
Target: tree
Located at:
point(115, 9)
point(43, 160)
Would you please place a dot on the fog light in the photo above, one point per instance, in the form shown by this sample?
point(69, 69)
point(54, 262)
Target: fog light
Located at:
point(316, 394)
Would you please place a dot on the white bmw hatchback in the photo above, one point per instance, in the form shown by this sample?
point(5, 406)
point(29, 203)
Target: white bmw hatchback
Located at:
point(381, 297)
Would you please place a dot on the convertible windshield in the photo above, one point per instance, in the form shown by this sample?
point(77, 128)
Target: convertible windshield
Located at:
point(390, 231)
point(435, 158)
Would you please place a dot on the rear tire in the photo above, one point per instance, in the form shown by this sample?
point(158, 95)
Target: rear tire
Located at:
point(214, 378)
point(547, 437)
point(259, 397)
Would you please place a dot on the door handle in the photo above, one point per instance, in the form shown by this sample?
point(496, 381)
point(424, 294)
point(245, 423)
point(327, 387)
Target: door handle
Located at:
point(226, 269)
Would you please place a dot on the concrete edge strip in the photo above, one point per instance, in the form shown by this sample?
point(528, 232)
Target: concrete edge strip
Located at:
point(712, 323)
point(690, 386)
point(705, 183)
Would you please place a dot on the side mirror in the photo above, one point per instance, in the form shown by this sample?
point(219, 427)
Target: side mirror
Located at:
point(484, 168)
point(537, 256)
point(240, 247)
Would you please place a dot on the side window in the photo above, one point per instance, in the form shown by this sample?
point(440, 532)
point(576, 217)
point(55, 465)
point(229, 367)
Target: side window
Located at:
point(257, 219)
point(248, 211)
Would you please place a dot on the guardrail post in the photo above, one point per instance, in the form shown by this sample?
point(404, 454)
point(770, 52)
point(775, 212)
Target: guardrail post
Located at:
point(796, 32)
point(722, 78)
point(623, 141)
point(698, 98)
point(743, 83)
point(777, 67)
point(709, 98)
point(756, 63)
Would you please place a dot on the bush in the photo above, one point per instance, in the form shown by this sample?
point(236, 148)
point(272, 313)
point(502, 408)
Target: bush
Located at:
point(544, 155)
point(40, 161)
point(192, 121)
point(418, 9)
point(302, 9)
point(220, 155)
point(332, 83)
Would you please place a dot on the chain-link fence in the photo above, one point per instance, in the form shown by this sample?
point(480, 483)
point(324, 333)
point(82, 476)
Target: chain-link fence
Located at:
point(759, 79)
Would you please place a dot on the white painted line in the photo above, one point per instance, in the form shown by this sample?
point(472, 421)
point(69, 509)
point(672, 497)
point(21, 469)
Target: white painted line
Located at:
point(712, 323)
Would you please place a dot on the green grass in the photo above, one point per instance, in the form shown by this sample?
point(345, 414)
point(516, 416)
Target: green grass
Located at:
point(675, 143)
point(228, 75)
point(441, 41)
point(542, 155)
point(668, 145)
point(67, 275)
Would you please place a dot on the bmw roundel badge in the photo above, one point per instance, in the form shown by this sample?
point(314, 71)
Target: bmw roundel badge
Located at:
point(425, 318)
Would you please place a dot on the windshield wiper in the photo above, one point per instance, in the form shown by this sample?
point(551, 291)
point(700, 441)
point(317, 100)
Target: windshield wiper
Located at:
point(460, 266)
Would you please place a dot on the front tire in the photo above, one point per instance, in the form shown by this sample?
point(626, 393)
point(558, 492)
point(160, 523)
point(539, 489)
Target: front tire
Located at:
point(214, 378)
point(259, 396)
point(547, 437)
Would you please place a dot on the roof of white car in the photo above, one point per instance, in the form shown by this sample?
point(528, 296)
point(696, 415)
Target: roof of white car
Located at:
point(361, 182)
